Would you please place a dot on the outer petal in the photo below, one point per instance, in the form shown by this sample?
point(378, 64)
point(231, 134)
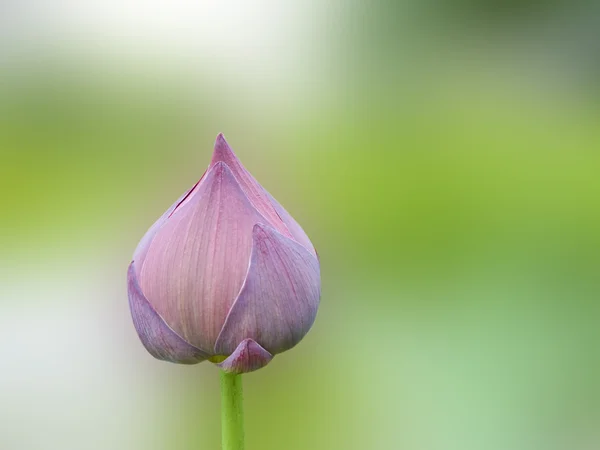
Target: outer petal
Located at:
point(278, 302)
point(140, 252)
point(295, 229)
point(160, 340)
point(255, 192)
point(247, 357)
point(197, 262)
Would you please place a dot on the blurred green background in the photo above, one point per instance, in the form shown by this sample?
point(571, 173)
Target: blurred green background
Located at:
point(443, 156)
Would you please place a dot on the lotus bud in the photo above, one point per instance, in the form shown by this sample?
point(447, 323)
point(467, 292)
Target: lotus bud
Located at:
point(225, 274)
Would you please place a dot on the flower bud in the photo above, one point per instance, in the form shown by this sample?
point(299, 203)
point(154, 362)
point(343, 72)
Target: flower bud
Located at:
point(226, 274)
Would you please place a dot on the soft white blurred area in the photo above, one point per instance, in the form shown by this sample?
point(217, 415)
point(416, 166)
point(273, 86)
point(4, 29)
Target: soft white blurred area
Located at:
point(60, 383)
point(264, 48)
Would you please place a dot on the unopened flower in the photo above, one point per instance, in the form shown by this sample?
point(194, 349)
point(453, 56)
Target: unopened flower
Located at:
point(226, 274)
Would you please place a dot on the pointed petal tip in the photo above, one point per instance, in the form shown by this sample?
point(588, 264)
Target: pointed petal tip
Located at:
point(247, 357)
point(220, 172)
point(259, 231)
point(252, 188)
point(222, 151)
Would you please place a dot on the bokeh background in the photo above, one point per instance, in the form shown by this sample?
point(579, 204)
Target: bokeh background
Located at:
point(444, 157)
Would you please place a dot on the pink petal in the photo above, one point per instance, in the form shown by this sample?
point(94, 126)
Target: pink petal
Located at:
point(278, 302)
point(295, 229)
point(247, 357)
point(255, 192)
point(160, 340)
point(142, 249)
point(197, 261)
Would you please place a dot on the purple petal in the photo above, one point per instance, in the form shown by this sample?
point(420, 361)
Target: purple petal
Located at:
point(142, 249)
point(278, 302)
point(295, 229)
point(160, 340)
point(197, 262)
point(248, 356)
point(255, 192)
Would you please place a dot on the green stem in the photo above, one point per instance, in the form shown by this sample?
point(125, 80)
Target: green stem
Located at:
point(232, 411)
